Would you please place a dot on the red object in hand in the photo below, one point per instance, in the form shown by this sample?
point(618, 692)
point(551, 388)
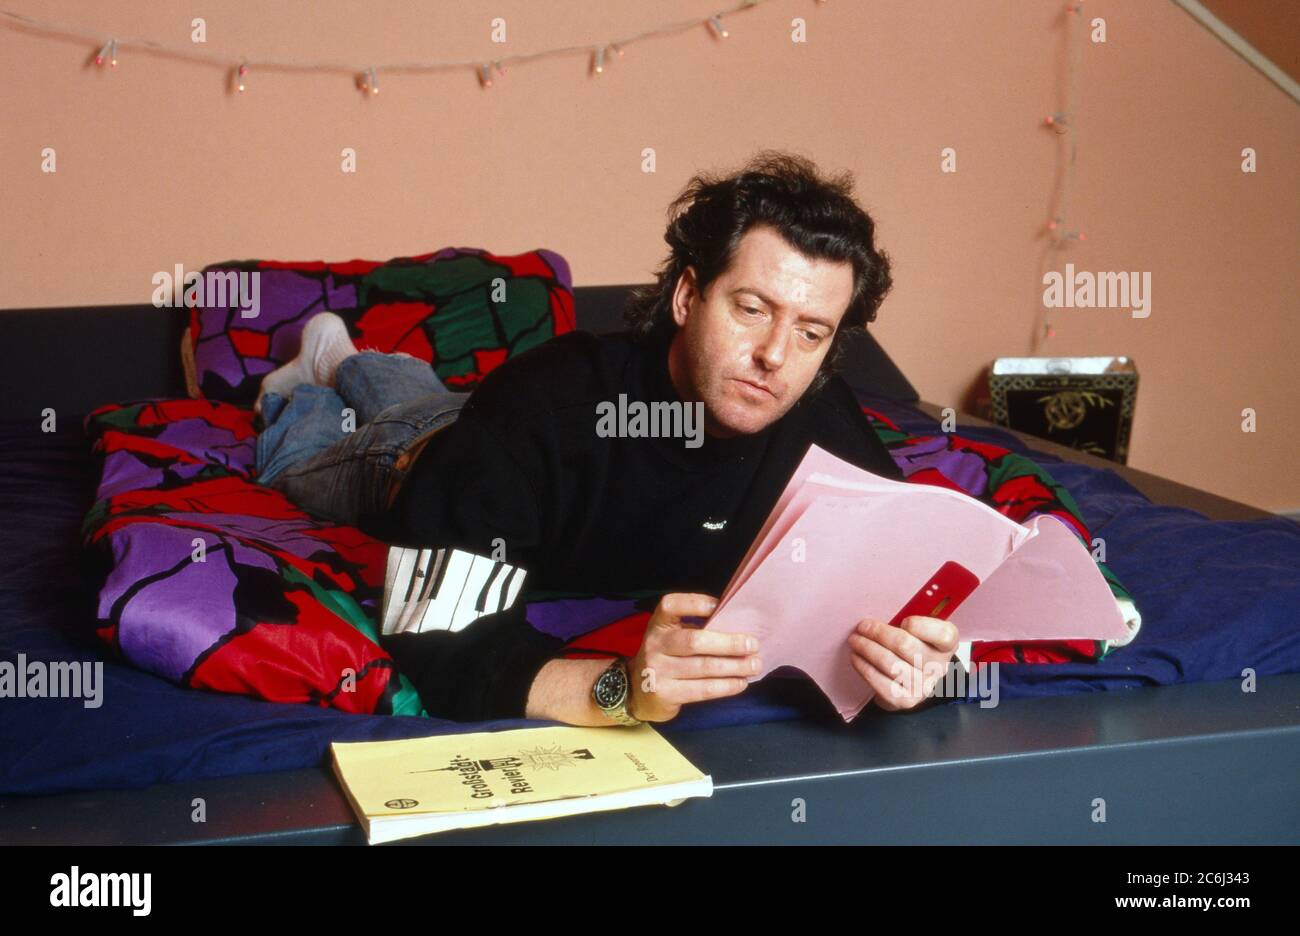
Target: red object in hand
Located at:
point(941, 593)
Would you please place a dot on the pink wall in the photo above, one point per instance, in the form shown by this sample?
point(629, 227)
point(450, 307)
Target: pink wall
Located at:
point(158, 164)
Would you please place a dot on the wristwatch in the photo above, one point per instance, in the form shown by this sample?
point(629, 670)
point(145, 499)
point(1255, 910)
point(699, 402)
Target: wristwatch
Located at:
point(613, 692)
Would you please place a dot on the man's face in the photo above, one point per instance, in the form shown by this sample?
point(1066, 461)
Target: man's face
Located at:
point(751, 347)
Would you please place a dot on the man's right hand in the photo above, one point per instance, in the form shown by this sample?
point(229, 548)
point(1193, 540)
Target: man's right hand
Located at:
point(679, 663)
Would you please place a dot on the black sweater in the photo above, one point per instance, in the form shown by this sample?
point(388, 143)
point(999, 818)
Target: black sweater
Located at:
point(523, 466)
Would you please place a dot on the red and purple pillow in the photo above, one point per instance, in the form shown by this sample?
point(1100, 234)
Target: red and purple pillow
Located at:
point(463, 309)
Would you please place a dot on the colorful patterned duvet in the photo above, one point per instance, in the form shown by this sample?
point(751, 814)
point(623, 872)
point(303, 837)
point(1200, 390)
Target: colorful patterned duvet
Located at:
point(218, 583)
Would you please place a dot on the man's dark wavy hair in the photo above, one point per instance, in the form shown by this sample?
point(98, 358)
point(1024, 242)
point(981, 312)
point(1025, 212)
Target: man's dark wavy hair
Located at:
point(816, 215)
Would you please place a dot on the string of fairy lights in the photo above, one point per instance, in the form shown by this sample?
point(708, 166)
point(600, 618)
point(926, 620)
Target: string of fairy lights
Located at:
point(1064, 122)
point(367, 74)
point(598, 55)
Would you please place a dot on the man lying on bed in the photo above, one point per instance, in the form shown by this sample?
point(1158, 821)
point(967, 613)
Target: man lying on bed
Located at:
point(768, 270)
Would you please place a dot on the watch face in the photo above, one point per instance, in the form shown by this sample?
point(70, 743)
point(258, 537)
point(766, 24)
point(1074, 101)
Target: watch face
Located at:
point(611, 687)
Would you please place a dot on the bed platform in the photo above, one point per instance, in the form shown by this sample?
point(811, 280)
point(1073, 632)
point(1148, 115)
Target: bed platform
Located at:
point(1194, 762)
point(1189, 764)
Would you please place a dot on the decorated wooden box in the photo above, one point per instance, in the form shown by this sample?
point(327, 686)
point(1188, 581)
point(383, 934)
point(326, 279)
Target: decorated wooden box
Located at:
point(1083, 402)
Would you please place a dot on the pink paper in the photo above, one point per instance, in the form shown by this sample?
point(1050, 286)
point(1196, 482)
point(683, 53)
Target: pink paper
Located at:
point(843, 544)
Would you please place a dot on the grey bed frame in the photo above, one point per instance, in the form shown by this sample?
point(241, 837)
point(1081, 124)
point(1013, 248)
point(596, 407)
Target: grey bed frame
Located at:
point(1195, 763)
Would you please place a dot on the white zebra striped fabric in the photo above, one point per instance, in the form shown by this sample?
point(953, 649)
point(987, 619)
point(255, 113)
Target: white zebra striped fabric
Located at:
point(444, 589)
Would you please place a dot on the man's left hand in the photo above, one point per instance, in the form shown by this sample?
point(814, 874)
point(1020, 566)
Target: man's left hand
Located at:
point(902, 664)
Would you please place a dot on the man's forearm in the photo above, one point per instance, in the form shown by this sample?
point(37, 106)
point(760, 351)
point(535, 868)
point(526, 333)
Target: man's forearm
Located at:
point(562, 692)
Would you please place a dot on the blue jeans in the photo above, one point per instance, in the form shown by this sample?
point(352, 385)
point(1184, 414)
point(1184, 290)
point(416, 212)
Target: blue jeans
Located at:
point(342, 465)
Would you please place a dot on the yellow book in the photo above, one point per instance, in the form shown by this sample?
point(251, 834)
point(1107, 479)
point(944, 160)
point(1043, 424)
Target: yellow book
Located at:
point(404, 788)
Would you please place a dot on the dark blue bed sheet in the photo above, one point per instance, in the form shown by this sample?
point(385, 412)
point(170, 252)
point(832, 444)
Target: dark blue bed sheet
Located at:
point(1216, 598)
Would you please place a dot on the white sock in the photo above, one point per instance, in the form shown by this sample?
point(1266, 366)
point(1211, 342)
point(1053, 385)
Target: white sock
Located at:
point(326, 341)
point(325, 345)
